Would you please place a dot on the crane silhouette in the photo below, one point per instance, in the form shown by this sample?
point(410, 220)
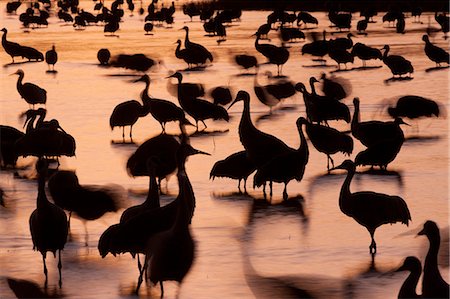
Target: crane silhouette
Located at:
point(435, 53)
point(162, 110)
point(48, 223)
point(329, 141)
point(127, 114)
point(13, 49)
point(372, 132)
point(365, 53)
point(396, 63)
point(51, 57)
point(170, 254)
point(285, 167)
point(433, 285)
point(370, 209)
point(408, 288)
point(412, 106)
point(275, 55)
point(236, 166)
point(88, 202)
point(199, 109)
point(246, 61)
point(30, 92)
point(261, 147)
point(196, 50)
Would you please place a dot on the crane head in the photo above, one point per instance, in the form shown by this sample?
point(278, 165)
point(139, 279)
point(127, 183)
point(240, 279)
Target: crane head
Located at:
point(242, 95)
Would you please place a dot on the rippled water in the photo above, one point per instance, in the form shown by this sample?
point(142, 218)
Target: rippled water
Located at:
point(312, 241)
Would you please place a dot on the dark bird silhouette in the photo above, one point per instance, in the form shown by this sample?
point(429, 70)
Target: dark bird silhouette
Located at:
point(30, 92)
point(342, 42)
point(433, 285)
point(444, 21)
point(46, 139)
point(281, 89)
point(221, 95)
point(285, 167)
point(365, 53)
point(400, 26)
point(435, 53)
point(340, 56)
point(191, 90)
point(127, 114)
point(334, 87)
point(48, 223)
point(397, 64)
point(322, 108)
point(274, 54)
point(198, 51)
point(361, 26)
point(340, 20)
point(199, 109)
point(112, 25)
point(31, 54)
point(11, 7)
point(13, 49)
point(264, 30)
point(246, 61)
point(8, 139)
point(136, 62)
point(318, 48)
point(290, 34)
point(29, 289)
point(51, 57)
point(329, 141)
point(372, 132)
point(162, 110)
point(148, 27)
point(152, 200)
point(263, 95)
point(170, 254)
point(408, 288)
point(65, 16)
point(236, 166)
point(188, 56)
point(370, 209)
point(163, 147)
point(412, 107)
point(261, 147)
point(132, 236)
point(306, 18)
point(103, 56)
point(380, 154)
point(88, 202)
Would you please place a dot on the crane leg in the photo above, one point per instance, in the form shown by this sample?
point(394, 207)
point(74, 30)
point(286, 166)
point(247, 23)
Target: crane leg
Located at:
point(162, 288)
point(141, 273)
point(270, 185)
point(239, 186)
point(139, 263)
point(245, 185)
point(163, 127)
point(59, 268)
point(204, 125)
point(131, 133)
point(86, 235)
point(285, 195)
point(373, 245)
point(264, 190)
point(45, 272)
point(123, 134)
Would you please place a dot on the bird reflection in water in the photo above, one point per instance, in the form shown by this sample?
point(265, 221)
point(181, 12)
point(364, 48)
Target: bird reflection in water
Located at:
point(29, 289)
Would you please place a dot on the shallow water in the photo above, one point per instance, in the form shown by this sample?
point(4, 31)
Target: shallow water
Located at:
point(314, 240)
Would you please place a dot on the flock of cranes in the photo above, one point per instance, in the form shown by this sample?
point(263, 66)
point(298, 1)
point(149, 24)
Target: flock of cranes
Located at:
point(162, 232)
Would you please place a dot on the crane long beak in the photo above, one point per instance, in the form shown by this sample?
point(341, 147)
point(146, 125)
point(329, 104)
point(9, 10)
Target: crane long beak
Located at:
point(234, 102)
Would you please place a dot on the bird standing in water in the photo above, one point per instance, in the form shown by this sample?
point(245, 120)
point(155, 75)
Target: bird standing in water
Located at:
point(30, 92)
point(370, 209)
point(48, 223)
point(51, 57)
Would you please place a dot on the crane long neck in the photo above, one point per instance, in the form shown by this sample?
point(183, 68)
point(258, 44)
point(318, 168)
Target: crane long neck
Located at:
point(4, 38)
point(152, 200)
point(431, 260)
point(345, 191)
point(246, 121)
point(303, 148)
point(187, 202)
point(186, 39)
point(30, 124)
point(177, 50)
point(19, 81)
point(385, 54)
point(144, 95)
point(408, 288)
point(313, 88)
point(356, 117)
